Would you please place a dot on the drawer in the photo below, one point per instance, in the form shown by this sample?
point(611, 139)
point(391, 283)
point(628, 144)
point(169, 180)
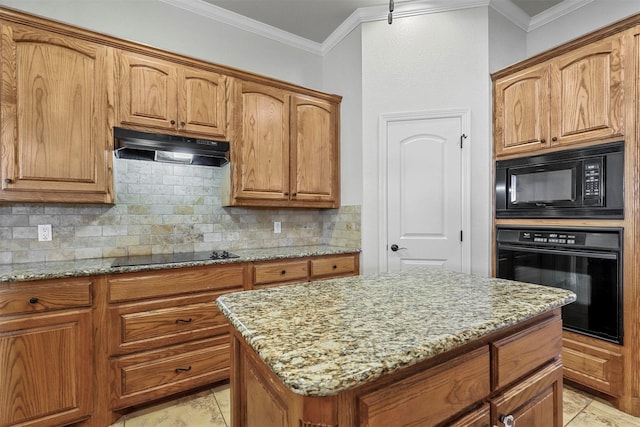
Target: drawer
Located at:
point(595, 367)
point(157, 323)
point(333, 266)
point(520, 354)
point(46, 295)
point(278, 272)
point(448, 388)
point(131, 286)
point(146, 376)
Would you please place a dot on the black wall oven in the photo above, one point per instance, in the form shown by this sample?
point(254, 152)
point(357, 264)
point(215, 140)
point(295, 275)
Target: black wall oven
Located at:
point(579, 183)
point(587, 261)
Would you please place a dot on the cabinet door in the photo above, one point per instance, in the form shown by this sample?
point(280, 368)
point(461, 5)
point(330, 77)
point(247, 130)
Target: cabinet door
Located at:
point(56, 136)
point(261, 158)
point(314, 152)
point(147, 91)
point(201, 102)
point(521, 111)
point(535, 401)
point(46, 369)
point(587, 93)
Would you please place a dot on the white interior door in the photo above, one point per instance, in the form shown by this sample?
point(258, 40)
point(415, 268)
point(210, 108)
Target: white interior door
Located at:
point(424, 191)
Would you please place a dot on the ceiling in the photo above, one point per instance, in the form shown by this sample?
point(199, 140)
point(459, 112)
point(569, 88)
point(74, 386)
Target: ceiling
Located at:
point(315, 20)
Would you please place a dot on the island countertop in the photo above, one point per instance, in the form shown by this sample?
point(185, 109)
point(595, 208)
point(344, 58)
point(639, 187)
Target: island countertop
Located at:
point(322, 338)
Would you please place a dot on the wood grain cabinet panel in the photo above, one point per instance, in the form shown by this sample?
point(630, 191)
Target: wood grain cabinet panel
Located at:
point(280, 272)
point(449, 389)
point(160, 322)
point(517, 355)
point(56, 138)
point(334, 266)
point(143, 377)
point(44, 296)
point(573, 98)
point(592, 365)
point(285, 150)
point(46, 369)
point(158, 94)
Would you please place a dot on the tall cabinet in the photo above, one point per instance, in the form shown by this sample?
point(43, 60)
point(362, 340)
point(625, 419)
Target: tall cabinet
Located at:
point(579, 94)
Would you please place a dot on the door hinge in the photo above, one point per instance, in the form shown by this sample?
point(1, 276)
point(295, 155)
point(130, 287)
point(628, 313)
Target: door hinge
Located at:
point(461, 235)
point(462, 138)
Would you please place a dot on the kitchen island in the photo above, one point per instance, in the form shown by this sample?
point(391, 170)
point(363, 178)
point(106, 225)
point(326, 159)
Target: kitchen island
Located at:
point(421, 347)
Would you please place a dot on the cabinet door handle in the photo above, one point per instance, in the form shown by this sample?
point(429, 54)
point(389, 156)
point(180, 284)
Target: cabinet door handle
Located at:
point(179, 370)
point(554, 139)
point(286, 194)
point(184, 320)
point(508, 420)
point(183, 124)
point(543, 140)
point(173, 122)
point(8, 181)
point(283, 272)
point(33, 300)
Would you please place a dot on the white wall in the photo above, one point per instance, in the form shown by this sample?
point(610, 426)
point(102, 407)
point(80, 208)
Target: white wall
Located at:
point(166, 27)
point(425, 63)
point(343, 75)
point(507, 42)
point(594, 15)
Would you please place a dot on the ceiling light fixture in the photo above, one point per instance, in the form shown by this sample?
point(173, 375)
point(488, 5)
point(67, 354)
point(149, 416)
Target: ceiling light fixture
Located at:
point(390, 16)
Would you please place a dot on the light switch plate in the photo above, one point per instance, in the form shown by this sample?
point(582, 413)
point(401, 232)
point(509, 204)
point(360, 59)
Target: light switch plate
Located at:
point(277, 227)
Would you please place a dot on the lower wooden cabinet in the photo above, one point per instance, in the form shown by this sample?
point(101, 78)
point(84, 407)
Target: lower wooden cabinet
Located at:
point(146, 376)
point(593, 363)
point(501, 380)
point(46, 374)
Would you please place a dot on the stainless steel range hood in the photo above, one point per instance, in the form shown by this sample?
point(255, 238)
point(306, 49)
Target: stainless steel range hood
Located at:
point(131, 144)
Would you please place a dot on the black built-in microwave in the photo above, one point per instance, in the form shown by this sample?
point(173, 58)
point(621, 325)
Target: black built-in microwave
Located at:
point(580, 183)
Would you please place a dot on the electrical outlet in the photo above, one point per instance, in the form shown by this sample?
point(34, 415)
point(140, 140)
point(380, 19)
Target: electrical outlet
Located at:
point(44, 233)
point(277, 227)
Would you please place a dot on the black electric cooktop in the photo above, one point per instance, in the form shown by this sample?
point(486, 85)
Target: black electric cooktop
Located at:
point(130, 261)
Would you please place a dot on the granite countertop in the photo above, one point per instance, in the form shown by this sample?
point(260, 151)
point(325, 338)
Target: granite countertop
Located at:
point(92, 267)
point(325, 337)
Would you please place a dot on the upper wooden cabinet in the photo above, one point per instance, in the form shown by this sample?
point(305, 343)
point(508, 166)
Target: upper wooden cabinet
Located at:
point(285, 150)
point(156, 94)
point(576, 97)
point(56, 138)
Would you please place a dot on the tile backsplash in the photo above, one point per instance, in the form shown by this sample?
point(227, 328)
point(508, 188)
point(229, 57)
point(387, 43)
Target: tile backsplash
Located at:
point(164, 208)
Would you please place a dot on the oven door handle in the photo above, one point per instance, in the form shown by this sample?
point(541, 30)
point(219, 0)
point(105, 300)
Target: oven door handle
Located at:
point(599, 255)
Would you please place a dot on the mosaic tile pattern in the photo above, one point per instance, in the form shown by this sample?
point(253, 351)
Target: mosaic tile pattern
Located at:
point(164, 208)
point(92, 267)
point(325, 337)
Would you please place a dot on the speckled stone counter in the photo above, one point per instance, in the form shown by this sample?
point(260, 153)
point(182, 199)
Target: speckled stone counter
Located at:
point(325, 337)
point(91, 267)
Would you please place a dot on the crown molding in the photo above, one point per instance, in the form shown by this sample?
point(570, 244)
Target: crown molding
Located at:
point(233, 19)
point(403, 9)
point(555, 12)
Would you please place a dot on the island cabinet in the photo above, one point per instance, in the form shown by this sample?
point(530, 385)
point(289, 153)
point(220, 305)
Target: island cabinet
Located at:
point(156, 94)
point(165, 335)
point(513, 377)
point(55, 100)
point(285, 149)
point(46, 352)
point(573, 98)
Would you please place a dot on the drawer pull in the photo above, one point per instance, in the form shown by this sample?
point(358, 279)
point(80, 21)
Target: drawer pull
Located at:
point(335, 266)
point(33, 300)
point(283, 272)
point(179, 370)
point(508, 420)
point(8, 181)
point(184, 320)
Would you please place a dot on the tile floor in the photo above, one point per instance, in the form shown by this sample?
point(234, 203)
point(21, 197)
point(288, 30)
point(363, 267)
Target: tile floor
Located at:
point(211, 408)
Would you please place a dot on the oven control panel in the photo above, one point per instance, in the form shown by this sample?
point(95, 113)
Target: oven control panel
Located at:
point(560, 238)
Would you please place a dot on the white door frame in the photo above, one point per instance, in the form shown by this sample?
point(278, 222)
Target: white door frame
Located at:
point(385, 119)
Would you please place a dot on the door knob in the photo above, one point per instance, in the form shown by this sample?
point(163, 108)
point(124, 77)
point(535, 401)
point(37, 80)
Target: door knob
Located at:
point(395, 248)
